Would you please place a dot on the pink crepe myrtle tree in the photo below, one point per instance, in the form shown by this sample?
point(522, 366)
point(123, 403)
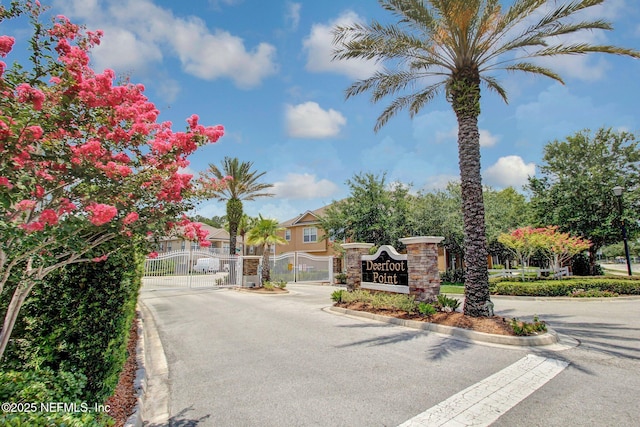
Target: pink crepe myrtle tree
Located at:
point(560, 247)
point(557, 247)
point(83, 161)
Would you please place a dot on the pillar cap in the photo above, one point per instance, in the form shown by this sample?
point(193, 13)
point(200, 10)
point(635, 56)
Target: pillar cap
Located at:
point(357, 245)
point(421, 239)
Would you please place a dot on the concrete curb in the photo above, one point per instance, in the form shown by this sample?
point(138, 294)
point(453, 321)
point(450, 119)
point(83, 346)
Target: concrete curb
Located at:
point(548, 338)
point(153, 402)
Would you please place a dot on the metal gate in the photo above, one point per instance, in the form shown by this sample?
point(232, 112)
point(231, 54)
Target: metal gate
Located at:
point(191, 269)
point(301, 267)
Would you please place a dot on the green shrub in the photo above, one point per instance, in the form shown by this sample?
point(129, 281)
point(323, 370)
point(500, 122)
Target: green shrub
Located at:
point(379, 300)
point(268, 286)
point(336, 296)
point(522, 328)
point(341, 278)
point(592, 293)
point(564, 287)
point(405, 303)
point(453, 275)
point(426, 309)
point(281, 284)
point(34, 387)
point(42, 385)
point(444, 303)
point(580, 266)
point(78, 320)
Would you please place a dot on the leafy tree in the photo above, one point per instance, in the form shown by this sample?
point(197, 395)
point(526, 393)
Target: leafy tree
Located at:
point(244, 226)
point(574, 189)
point(214, 221)
point(457, 43)
point(242, 185)
point(372, 213)
point(437, 213)
point(83, 161)
point(265, 232)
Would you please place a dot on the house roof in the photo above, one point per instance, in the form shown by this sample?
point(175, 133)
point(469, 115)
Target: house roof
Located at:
point(215, 234)
point(308, 217)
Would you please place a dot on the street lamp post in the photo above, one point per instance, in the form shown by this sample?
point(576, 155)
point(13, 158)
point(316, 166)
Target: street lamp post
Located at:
point(617, 190)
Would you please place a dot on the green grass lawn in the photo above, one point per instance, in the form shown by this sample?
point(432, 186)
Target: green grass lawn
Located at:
point(451, 288)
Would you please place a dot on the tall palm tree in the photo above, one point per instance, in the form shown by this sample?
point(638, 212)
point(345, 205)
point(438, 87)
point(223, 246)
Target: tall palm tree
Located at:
point(449, 46)
point(265, 232)
point(246, 223)
point(243, 185)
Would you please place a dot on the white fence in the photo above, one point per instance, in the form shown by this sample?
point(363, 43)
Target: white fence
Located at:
point(301, 267)
point(191, 269)
point(529, 272)
point(205, 269)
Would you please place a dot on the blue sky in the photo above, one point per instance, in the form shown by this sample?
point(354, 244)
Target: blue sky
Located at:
point(263, 69)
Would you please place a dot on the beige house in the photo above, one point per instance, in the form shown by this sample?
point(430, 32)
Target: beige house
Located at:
point(303, 234)
point(218, 237)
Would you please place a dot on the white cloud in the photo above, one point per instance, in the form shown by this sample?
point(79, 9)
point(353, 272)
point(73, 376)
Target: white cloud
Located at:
point(319, 47)
point(211, 56)
point(122, 50)
point(309, 120)
point(486, 138)
point(293, 15)
point(303, 186)
point(440, 182)
point(440, 127)
point(140, 34)
point(509, 171)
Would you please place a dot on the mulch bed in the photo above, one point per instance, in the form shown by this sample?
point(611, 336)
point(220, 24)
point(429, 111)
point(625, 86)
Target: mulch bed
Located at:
point(492, 325)
point(124, 399)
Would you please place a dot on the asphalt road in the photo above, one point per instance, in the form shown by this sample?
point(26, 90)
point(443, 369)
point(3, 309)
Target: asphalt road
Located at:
point(239, 359)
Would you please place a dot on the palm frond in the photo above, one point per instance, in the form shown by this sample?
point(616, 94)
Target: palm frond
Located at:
point(528, 67)
point(411, 101)
point(493, 85)
point(583, 48)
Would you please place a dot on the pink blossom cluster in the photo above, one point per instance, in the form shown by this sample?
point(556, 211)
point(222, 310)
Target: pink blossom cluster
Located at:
point(101, 213)
point(89, 140)
point(193, 231)
point(6, 44)
point(26, 93)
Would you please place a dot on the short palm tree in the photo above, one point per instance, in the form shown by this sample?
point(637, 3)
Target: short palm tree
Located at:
point(450, 46)
point(243, 185)
point(265, 232)
point(246, 223)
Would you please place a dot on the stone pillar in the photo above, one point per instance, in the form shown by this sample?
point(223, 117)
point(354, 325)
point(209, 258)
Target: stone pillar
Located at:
point(353, 264)
point(250, 266)
point(422, 262)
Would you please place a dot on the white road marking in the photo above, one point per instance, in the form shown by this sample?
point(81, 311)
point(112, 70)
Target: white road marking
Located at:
point(484, 402)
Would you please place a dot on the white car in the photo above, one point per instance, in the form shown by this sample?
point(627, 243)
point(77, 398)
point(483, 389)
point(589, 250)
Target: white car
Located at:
point(207, 265)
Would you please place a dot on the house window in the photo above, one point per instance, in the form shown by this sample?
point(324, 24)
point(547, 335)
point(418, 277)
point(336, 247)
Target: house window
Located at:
point(310, 235)
point(287, 235)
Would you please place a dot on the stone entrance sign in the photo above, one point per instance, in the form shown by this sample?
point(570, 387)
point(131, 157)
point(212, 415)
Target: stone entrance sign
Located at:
point(386, 270)
point(415, 273)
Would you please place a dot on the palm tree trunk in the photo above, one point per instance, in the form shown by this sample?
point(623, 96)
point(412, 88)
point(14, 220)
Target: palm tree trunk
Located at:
point(266, 270)
point(465, 99)
point(476, 286)
point(234, 215)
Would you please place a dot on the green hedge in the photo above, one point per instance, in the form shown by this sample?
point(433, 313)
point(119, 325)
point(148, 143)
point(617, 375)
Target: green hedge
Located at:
point(564, 287)
point(27, 390)
point(78, 321)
